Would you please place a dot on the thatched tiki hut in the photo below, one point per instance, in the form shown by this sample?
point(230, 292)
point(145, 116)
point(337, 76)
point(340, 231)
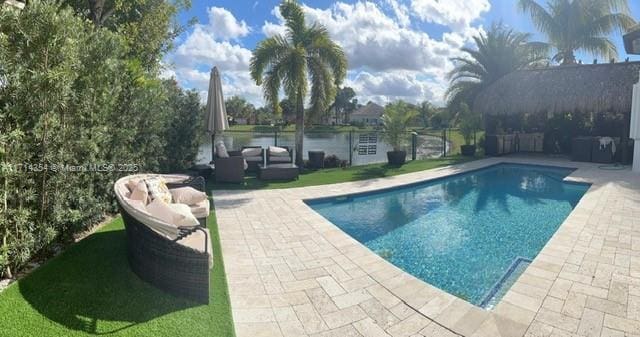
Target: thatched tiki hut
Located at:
point(563, 102)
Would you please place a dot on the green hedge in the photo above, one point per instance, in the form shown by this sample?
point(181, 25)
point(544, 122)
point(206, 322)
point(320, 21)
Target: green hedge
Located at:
point(78, 109)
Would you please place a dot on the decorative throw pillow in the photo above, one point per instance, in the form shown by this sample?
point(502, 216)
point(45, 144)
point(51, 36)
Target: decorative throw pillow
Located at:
point(278, 151)
point(132, 183)
point(158, 189)
point(221, 150)
point(186, 218)
point(173, 214)
point(187, 195)
point(139, 205)
point(251, 152)
point(140, 192)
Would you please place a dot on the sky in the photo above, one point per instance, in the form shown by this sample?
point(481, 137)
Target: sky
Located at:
point(396, 49)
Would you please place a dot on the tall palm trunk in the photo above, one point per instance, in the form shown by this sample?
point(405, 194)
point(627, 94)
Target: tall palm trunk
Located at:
point(299, 129)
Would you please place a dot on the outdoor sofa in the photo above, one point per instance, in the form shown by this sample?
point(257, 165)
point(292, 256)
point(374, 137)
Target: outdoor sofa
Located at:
point(171, 257)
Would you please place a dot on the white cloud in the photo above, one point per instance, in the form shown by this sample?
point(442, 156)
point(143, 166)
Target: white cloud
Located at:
point(383, 88)
point(222, 24)
point(215, 44)
point(401, 12)
point(456, 14)
point(387, 58)
point(201, 47)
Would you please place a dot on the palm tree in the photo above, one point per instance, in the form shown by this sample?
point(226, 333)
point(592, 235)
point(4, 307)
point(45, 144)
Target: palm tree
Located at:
point(498, 52)
point(303, 53)
point(572, 25)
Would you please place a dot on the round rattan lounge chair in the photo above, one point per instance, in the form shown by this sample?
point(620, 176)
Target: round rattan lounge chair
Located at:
point(174, 259)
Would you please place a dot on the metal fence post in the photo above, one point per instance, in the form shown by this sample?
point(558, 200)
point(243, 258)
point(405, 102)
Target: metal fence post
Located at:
point(414, 145)
point(444, 142)
point(350, 147)
point(275, 138)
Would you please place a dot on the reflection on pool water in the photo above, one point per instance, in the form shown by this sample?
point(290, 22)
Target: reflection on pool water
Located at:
point(460, 233)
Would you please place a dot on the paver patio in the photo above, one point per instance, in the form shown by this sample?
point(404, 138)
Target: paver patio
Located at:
point(293, 273)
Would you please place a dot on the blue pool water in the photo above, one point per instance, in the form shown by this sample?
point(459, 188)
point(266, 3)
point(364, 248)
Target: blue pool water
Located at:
point(460, 233)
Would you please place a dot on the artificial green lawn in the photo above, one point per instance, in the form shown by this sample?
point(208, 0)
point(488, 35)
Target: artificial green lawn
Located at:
point(90, 290)
point(340, 175)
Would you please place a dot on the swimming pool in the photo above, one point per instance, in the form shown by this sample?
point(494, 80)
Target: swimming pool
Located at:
point(466, 234)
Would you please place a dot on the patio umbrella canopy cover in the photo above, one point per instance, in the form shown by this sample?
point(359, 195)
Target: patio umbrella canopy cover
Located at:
point(216, 111)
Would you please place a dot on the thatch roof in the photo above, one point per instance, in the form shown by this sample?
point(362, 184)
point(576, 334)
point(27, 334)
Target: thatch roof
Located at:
point(631, 39)
point(585, 88)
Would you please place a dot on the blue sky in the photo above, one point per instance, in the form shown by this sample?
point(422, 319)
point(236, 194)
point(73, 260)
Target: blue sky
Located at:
point(397, 49)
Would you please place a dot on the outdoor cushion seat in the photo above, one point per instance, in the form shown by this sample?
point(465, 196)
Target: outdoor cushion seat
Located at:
point(171, 257)
point(196, 241)
point(280, 159)
point(201, 209)
point(256, 158)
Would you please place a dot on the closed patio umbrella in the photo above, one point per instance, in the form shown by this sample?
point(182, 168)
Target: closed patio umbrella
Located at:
point(634, 132)
point(216, 110)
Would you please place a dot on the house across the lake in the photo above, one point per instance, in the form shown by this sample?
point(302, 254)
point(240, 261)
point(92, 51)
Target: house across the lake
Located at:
point(370, 114)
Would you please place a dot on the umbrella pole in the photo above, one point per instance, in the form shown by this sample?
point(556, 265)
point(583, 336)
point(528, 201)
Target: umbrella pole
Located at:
point(213, 147)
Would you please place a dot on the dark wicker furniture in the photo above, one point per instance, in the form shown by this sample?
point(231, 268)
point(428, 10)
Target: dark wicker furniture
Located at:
point(280, 159)
point(278, 172)
point(161, 260)
point(316, 159)
point(581, 148)
point(230, 169)
point(253, 162)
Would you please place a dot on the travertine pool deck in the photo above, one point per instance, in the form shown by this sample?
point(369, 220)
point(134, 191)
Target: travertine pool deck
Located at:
point(293, 273)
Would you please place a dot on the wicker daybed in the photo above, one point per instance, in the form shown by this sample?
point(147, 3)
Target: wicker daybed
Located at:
point(173, 258)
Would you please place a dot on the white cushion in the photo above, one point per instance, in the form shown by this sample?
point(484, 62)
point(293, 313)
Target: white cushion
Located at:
point(174, 214)
point(140, 192)
point(187, 218)
point(221, 150)
point(251, 152)
point(138, 204)
point(258, 158)
point(280, 159)
point(196, 241)
point(201, 209)
point(132, 183)
point(187, 195)
point(278, 151)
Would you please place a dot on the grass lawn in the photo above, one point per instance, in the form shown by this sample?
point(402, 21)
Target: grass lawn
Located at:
point(90, 290)
point(340, 175)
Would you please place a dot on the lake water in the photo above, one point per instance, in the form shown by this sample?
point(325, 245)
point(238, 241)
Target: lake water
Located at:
point(366, 148)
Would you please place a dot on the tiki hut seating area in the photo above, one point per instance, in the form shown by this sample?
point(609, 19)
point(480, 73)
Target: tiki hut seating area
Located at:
point(168, 244)
point(581, 110)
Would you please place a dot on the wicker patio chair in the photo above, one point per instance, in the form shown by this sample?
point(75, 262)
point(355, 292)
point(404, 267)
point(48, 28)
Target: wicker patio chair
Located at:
point(230, 169)
point(174, 259)
point(280, 159)
point(254, 161)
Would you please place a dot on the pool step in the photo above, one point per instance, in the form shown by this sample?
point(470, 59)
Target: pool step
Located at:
point(500, 288)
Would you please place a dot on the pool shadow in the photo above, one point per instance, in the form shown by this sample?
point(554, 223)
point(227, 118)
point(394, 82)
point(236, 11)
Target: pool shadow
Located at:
point(92, 282)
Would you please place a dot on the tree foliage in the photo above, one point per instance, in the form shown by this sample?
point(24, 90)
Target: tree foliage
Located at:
point(572, 25)
point(395, 120)
point(498, 52)
point(238, 107)
point(304, 54)
point(78, 110)
point(344, 104)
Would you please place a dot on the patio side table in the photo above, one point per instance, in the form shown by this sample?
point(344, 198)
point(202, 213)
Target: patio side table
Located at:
point(278, 172)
